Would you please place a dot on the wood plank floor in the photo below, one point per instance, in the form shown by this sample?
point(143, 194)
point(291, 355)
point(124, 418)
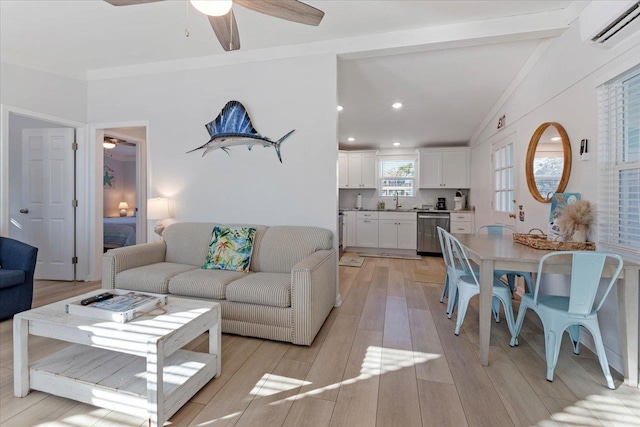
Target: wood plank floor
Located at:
point(387, 357)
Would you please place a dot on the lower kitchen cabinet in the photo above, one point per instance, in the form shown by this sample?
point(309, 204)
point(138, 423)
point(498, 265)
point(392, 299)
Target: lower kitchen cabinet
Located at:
point(397, 230)
point(367, 233)
point(462, 222)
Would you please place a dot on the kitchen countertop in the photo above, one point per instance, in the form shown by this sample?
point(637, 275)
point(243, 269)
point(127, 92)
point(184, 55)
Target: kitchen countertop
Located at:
point(406, 210)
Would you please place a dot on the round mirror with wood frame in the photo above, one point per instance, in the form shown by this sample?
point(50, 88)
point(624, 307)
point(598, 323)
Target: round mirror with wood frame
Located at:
point(548, 163)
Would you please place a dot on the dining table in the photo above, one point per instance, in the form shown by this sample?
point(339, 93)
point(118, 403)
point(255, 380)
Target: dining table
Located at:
point(495, 252)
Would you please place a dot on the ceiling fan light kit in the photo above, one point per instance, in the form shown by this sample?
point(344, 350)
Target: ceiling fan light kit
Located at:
point(223, 22)
point(213, 7)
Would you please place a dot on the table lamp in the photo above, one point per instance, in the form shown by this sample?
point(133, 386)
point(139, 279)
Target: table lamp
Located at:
point(158, 208)
point(123, 206)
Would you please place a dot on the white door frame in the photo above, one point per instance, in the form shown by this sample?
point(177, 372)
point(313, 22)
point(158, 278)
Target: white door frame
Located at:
point(95, 184)
point(83, 266)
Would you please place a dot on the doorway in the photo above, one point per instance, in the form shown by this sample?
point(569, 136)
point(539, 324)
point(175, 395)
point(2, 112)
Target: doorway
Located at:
point(123, 221)
point(42, 192)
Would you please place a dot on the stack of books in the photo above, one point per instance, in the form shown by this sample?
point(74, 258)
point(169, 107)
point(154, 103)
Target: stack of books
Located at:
point(116, 305)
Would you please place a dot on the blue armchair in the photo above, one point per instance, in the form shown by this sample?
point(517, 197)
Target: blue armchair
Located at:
point(18, 261)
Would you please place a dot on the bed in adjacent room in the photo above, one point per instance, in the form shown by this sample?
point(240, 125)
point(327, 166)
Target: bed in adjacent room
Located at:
point(119, 232)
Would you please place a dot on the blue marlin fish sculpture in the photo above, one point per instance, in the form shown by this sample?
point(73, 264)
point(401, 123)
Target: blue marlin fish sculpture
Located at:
point(233, 127)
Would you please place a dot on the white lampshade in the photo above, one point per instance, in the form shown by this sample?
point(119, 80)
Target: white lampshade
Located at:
point(123, 206)
point(158, 208)
point(213, 7)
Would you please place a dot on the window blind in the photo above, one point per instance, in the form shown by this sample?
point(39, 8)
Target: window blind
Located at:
point(397, 177)
point(619, 162)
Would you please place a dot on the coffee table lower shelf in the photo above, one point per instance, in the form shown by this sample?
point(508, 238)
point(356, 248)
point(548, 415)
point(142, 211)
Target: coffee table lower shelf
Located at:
point(118, 381)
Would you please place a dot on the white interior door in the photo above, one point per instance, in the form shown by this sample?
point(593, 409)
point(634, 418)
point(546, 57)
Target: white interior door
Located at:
point(504, 209)
point(47, 195)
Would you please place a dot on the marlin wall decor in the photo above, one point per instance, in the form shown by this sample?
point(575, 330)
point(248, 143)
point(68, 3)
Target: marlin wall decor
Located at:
point(233, 127)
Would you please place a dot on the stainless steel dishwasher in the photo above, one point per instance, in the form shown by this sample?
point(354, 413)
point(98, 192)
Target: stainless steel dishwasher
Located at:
point(428, 223)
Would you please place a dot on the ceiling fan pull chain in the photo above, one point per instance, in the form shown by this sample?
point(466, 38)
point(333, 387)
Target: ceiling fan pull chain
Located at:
point(231, 20)
point(186, 28)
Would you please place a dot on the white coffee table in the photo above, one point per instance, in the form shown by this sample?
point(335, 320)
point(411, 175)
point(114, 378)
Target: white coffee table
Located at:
point(136, 367)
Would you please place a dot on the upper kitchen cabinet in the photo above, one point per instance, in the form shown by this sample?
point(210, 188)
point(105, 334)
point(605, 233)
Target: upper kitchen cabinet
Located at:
point(357, 169)
point(444, 168)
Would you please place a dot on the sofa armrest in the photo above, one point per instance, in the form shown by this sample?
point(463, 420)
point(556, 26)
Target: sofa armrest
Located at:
point(313, 294)
point(120, 259)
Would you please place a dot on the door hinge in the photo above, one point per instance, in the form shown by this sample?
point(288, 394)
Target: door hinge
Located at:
point(74, 146)
point(74, 203)
point(74, 260)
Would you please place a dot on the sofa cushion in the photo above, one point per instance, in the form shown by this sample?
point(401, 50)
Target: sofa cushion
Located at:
point(203, 283)
point(272, 289)
point(282, 247)
point(188, 242)
point(151, 278)
point(230, 249)
point(10, 278)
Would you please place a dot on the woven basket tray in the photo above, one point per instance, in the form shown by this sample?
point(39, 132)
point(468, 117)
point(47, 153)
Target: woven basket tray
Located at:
point(539, 241)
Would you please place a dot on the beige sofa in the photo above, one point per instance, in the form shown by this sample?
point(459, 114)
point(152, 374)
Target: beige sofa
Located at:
point(286, 296)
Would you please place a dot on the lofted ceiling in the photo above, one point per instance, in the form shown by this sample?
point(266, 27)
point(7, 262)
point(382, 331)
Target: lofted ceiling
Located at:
point(446, 92)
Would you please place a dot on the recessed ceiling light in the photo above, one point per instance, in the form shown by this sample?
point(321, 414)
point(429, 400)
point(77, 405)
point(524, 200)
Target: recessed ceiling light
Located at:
point(397, 105)
point(351, 139)
point(556, 138)
point(340, 108)
point(395, 144)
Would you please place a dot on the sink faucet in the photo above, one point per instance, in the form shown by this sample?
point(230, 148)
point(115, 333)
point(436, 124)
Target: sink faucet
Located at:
point(396, 198)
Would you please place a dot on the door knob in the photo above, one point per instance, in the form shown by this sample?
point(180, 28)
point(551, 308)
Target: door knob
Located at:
point(24, 211)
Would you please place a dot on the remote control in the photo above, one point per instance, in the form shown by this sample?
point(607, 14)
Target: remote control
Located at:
point(96, 298)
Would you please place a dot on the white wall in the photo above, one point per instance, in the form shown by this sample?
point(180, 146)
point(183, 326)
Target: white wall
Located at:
point(561, 87)
point(245, 186)
point(42, 92)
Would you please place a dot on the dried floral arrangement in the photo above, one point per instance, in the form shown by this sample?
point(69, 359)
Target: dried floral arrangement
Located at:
point(575, 221)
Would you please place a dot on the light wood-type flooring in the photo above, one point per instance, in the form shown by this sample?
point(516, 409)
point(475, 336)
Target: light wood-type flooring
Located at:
point(386, 357)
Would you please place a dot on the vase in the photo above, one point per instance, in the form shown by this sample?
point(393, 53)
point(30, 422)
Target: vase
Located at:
point(580, 235)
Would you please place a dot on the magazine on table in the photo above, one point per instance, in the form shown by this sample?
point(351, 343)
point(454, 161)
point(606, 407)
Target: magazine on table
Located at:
point(117, 305)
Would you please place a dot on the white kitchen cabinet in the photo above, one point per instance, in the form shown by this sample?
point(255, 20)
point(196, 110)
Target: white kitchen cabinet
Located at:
point(343, 170)
point(397, 230)
point(350, 230)
point(357, 169)
point(388, 233)
point(444, 168)
point(462, 222)
point(408, 235)
point(367, 229)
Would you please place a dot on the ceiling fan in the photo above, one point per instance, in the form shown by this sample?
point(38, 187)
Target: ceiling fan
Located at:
point(224, 24)
point(109, 142)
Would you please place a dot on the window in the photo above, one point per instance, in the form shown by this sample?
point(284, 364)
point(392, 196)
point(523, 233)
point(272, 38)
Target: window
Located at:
point(619, 162)
point(397, 176)
point(503, 179)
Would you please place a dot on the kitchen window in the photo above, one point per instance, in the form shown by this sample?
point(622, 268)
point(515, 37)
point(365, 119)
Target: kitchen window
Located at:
point(619, 162)
point(397, 176)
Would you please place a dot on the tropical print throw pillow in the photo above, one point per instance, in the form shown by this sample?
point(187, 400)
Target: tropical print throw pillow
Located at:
point(230, 248)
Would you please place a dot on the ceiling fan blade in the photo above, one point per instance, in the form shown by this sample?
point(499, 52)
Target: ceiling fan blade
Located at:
point(290, 10)
point(226, 30)
point(130, 2)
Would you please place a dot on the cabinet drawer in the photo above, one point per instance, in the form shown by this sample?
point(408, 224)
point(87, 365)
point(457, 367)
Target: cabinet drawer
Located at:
point(400, 216)
point(461, 217)
point(367, 215)
point(461, 227)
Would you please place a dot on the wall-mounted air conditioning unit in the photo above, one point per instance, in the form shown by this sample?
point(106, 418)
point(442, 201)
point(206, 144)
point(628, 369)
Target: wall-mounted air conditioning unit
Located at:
point(608, 22)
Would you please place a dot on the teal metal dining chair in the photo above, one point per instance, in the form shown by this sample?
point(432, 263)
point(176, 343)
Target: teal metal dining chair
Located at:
point(580, 308)
point(467, 285)
point(447, 290)
point(495, 229)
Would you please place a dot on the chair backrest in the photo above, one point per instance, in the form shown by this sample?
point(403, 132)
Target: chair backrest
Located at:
point(443, 247)
point(586, 273)
point(459, 261)
point(495, 229)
